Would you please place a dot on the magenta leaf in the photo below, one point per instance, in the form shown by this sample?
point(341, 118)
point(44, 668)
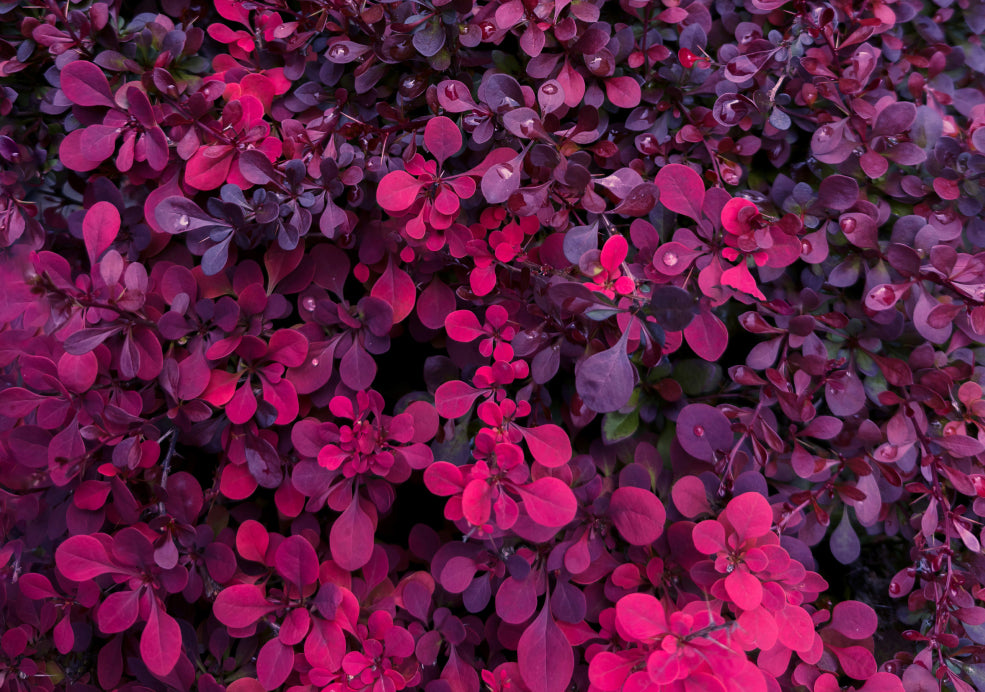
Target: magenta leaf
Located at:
point(549, 444)
point(397, 289)
point(641, 617)
point(296, 561)
point(544, 655)
point(397, 191)
point(454, 399)
point(118, 611)
point(351, 537)
point(84, 557)
point(623, 92)
point(854, 619)
point(549, 501)
point(274, 664)
point(99, 229)
point(160, 643)
point(707, 336)
point(241, 605)
point(85, 84)
point(638, 515)
point(605, 380)
point(442, 138)
point(681, 190)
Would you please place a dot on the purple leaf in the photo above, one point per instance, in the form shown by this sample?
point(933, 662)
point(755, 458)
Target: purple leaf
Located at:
point(638, 515)
point(544, 655)
point(605, 380)
point(351, 537)
point(681, 190)
point(85, 84)
point(297, 561)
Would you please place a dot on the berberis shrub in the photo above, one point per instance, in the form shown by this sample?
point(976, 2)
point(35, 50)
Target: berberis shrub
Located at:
point(460, 345)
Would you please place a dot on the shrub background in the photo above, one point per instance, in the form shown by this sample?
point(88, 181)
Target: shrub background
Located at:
point(520, 345)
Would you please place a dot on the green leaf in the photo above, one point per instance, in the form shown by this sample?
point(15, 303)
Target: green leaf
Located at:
point(618, 426)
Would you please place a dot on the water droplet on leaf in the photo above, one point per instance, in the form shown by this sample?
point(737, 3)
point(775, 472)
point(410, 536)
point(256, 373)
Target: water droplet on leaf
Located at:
point(884, 295)
point(549, 89)
point(338, 51)
point(183, 220)
point(806, 247)
point(848, 225)
point(698, 431)
point(314, 362)
point(504, 170)
point(670, 258)
point(309, 304)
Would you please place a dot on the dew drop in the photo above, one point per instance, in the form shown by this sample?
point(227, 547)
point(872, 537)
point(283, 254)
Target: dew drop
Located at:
point(825, 133)
point(183, 220)
point(806, 247)
point(451, 93)
point(338, 51)
point(594, 62)
point(884, 295)
point(309, 304)
point(527, 128)
point(698, 431)
point(848, 225)
point(314, 362)
point(549, 89)
point(504, 171)
point(895, 589)
point(488, 30)
point(670, 258)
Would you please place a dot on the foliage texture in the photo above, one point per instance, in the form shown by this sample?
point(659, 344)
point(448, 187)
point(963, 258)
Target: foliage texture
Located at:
point(528, 345)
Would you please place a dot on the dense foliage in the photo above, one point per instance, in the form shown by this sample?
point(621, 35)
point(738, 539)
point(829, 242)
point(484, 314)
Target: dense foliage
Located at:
point(525, 345)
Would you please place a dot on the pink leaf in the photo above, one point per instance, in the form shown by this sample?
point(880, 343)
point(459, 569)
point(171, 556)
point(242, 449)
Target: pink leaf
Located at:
point(118, 611)
point(707, 336)
point(252, 540)
point(640, 617)
point(435, 303)
point(160, 644)
point(274, 664)
point(796, 629)
point(856, 661)
point(397, 191)
point(548, 443)
point(454, 399)
point(544, 655)
point(99, 229)
point(855, 620)
point(297, 561)
point(396, 288)
point(750, 515)
point(83, 557)
point(463, 326)
point(241, 605)
point(288, 347)
point(745, 590)
point(740, 278)
point(351, 538)
point(549, 501)
point(85, 84)
point(681, 189)
point(442, 138)
point(638, 515)
point(690, 497)
point(623, 92)
point(209, 167)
